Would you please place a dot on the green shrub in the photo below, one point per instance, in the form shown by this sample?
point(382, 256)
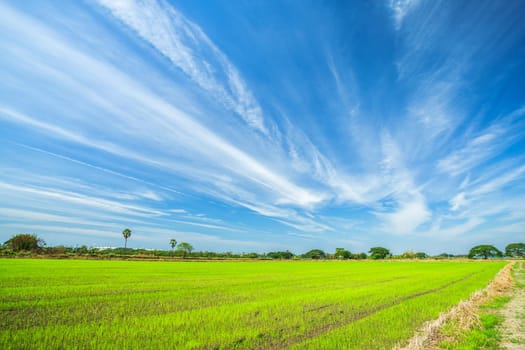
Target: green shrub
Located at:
point(25, 242)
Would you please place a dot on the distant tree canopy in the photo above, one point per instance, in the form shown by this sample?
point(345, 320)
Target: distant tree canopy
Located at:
point(280, 255)
point(25, 244)
point(359, 256)
point(25, 241)
point(185, 248)
point(314, 254)
point(515, 250)
point(342, 253)
point(409, 254)
point(484, 251)
point(421, 255)
point(379, 253)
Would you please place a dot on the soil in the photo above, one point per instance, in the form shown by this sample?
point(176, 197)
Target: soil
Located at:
point(513, 327)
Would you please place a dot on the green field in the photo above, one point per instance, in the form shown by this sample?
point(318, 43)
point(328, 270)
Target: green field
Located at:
point(81, 304)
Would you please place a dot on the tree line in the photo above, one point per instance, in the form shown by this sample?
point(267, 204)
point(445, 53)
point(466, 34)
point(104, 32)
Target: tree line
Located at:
point(29, 244)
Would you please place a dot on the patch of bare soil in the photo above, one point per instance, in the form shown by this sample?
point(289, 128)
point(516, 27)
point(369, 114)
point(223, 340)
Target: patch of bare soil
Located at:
point(513, 327)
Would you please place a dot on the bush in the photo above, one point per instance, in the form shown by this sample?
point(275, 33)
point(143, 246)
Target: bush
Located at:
point(379, 253)
point(7, 252)
point(314, 254)
point(342, 253)
point(360, 256)
point(25, 242)
point(408, 255)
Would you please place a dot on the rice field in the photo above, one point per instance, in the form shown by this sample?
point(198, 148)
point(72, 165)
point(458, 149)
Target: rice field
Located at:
point(85, 304)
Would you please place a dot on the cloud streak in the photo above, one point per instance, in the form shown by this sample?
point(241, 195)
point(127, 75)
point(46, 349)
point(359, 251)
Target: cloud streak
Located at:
point(400, 9)
point(189, 48)
point(127, 112)
point(164, 119)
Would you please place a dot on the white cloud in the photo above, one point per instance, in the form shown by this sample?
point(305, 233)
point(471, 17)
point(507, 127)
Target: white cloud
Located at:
point(400, 9)
point(181, 145)
point(500, 181)
point(150, 195)
point(189, 48)
point(88, 165)
point(483, 146)
point(204, 225)
point(82, 200)
point(407, 217)
point(474, 153)
point(108, 116)
point(455, 229)
point(30, 216)
point(176, 127)
point(458, 201)
point(103, 232)
point(431, 110)
point(410, 209)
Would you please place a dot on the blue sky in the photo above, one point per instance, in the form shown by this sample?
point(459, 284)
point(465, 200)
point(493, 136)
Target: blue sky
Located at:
point(264, 125)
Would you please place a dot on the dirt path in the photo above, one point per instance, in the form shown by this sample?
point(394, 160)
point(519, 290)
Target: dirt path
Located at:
point(513, 328)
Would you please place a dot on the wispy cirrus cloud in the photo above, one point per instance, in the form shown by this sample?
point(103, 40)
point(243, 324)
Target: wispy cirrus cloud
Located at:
point(117, 112)
point(83, 200)
point(165, 119)
point(498, 182)
point(254, 184)
point(458, 201)
point(400, 8)
point(481, 147)
point(189, 48)
point(409, 208)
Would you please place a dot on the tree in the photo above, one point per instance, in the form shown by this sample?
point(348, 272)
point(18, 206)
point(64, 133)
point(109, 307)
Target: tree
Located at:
point(173, 243)
point(484, 251)
point(421, 255)
point(126, 233)
point(359, 256)
point(280, 255)
point(515, 250)
point(409, 254)
point(314, 254)
point(379, 253)
point(185, 248)
point(25, 241)
point(342, 253)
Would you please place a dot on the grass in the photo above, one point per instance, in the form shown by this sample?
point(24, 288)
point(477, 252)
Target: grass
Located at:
point(497, 303)
point(82, 304)
point(487, 335)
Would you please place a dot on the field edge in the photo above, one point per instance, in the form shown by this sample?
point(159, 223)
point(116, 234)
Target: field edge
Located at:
point(465, 314)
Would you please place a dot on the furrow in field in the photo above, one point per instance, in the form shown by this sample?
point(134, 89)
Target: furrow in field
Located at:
point(24, 314)
point(365, 313)
point(225, 305)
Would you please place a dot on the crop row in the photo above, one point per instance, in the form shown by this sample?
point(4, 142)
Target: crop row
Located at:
point(226, 305)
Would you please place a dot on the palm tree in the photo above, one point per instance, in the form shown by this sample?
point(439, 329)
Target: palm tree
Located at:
point(173, 243)
point(126, 233)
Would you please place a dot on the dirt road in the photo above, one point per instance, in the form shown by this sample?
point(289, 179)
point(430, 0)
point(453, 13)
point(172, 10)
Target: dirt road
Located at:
point(513, 327)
